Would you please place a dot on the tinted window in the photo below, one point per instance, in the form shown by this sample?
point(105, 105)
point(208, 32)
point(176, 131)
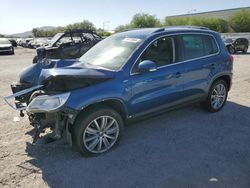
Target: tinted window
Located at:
point(198, 45)
point(238, 41)
point(160, 52)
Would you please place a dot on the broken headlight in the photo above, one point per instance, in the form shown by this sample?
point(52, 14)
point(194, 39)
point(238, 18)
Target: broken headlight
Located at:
point(47, 103)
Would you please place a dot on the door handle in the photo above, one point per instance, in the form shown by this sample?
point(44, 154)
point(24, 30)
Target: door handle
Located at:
point(211, 66)
point(176, 75)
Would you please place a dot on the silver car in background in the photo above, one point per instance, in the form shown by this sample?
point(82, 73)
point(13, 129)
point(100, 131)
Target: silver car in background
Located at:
point(6, 46)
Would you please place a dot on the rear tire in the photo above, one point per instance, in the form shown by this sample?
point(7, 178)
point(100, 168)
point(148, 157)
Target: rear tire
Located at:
point(245, 50)
point(97, 130)
point(217, 96)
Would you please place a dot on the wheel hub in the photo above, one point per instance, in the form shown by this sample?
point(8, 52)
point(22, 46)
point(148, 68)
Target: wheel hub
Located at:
point(101, 134)
point(218, 96)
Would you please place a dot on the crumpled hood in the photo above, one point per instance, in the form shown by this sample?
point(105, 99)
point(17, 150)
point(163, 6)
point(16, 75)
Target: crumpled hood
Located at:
point(75, 71)
point(73, 76)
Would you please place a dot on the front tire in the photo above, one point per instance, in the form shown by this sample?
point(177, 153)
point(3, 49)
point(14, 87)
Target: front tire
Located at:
point(231, 50)
point(97, 130)
point(12, 52)
point(217, 96)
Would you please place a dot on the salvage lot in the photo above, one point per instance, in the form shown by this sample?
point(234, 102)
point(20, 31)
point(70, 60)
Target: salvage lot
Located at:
point(183, 148)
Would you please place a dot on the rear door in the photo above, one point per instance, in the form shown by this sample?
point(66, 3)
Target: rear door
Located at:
point(162, 88)
point(200, 51)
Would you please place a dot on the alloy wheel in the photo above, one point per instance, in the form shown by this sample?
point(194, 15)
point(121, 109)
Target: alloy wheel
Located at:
point(218, 96)
point(101, 134)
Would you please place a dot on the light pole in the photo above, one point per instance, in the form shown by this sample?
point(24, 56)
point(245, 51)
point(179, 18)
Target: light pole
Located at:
point(103, 24)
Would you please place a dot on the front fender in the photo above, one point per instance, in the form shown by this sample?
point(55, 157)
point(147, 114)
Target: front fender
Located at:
point(105, 91)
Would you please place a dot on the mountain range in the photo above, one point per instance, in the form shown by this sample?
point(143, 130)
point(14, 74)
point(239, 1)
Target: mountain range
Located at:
point(29, 33)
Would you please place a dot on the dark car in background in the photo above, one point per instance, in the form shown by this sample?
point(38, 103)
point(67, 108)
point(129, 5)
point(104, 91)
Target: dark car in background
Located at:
point(236, 44)
point(6, 46)
point(71, 44)
point(13, 42)
point(127, 75)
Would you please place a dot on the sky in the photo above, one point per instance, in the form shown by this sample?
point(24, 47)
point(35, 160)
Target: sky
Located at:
point(24, 15)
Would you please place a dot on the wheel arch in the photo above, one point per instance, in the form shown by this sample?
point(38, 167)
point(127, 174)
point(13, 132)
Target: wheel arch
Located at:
point(116, 104)
point(225, 77)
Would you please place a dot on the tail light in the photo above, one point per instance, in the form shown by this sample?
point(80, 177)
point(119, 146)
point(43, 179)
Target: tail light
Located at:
point(231, 59)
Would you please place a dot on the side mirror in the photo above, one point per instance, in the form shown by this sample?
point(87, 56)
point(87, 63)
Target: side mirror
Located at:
point(147, 66)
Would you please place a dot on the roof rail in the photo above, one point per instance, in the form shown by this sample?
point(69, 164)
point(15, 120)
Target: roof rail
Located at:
point(181, 26)
point(159, 30)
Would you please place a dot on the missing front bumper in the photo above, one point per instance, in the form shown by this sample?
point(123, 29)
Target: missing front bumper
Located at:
point(18, 101)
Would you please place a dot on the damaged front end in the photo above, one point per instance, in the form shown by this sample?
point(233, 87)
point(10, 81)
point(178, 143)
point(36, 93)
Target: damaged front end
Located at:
point(44, 112)
point(44, 102)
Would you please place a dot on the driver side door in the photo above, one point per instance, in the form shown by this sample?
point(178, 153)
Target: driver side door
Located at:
point(152, 91)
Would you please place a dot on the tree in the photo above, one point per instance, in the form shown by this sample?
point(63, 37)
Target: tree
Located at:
point(1, 35)
point(216, 24)
point(50, 33)
point(240, 21)
point(141, 20)
point(104, 33)
point(176, 21)
point(82, 25)
point(120, 28)
point(35, 32)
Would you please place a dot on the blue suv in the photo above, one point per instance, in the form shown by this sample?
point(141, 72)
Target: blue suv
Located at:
point(127, 75)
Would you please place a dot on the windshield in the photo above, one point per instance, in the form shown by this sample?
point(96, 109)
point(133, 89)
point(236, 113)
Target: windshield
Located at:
point(55, 38)
point(112, 52)
point(228, 40)
point(4, 41)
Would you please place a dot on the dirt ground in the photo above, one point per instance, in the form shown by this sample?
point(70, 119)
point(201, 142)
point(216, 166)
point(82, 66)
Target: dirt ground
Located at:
point(182, 148)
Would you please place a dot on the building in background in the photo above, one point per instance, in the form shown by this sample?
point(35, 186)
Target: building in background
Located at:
point(224, 14)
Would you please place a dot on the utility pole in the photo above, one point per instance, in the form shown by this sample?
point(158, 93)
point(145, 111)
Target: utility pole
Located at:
point(103, 24)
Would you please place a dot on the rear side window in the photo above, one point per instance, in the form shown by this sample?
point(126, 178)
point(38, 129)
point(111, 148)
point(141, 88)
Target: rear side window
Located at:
point(196, 46)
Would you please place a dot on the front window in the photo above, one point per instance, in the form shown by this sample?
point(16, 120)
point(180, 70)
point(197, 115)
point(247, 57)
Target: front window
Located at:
point(113, 52)
point(65, 39)
point(55, 38)
point(161, 52)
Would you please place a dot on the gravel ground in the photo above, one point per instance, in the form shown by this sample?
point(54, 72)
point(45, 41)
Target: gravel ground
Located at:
point(186, 148)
